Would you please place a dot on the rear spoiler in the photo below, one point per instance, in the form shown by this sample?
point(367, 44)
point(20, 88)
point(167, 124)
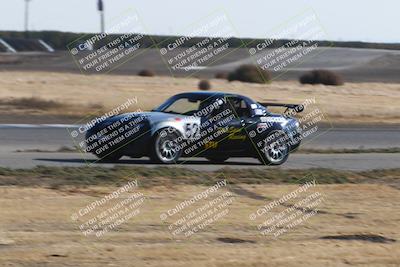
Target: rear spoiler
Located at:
point(296, 107)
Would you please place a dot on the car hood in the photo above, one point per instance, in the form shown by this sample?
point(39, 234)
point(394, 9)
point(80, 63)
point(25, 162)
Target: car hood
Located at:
point(148, 117)
point(151, 116)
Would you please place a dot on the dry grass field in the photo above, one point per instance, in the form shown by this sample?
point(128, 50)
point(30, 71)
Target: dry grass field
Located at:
point(75, 94)
point(37, 230)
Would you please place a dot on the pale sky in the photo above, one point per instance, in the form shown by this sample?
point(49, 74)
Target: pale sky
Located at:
point(343, 20)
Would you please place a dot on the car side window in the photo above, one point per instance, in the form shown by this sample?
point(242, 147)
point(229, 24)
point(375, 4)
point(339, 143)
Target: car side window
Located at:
point(239, 106)
point(184, 106)
point(210, 107)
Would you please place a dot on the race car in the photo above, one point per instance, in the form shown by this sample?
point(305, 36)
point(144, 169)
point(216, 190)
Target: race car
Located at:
point(214, 125)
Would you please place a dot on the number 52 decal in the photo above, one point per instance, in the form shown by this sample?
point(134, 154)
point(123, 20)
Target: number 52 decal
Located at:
point(192, 130)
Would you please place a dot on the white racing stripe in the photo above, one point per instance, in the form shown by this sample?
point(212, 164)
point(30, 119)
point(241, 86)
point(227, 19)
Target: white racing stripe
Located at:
point(11, 126)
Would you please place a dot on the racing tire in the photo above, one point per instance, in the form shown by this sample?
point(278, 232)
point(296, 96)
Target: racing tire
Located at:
point(276, 148)
point(164, 146)
point(217, 159)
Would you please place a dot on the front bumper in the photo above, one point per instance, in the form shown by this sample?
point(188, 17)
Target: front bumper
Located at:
point(294, 133)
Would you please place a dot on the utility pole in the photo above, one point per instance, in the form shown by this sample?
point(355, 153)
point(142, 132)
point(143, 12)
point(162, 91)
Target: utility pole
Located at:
point(100, 7)
point(27, 16)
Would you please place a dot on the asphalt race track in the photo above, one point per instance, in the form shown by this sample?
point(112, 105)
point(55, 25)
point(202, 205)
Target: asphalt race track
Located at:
point(52, 137)
point(356, 65)
point(350, 162)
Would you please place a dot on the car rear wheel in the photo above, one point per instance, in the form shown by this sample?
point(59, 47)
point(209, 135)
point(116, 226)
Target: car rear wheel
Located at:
point(165, 147)
point(276, 148)
point(217, 159)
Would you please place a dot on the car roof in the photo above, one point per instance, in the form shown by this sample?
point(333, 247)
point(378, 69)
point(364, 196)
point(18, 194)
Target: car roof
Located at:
point(202, 96)
point(207, 94)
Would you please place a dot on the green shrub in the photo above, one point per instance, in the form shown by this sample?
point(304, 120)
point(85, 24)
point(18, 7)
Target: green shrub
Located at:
point(33, 103)
point(221, 75)
point(146, 73)
point(250, 74)
point(325, 77)
point(204, 85)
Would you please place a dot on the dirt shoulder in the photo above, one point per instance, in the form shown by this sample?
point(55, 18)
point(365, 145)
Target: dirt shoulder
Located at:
point(354, 225)
point(78, 95)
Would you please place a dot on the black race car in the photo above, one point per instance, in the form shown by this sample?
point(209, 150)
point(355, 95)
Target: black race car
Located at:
point(214, 125)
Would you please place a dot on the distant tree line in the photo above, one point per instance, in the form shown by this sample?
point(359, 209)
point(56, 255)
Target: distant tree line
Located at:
point(59, 40)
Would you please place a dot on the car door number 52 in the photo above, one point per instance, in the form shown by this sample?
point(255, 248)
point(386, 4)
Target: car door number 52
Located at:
point(192, 130)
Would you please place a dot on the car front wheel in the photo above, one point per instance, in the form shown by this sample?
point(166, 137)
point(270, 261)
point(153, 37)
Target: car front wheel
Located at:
point(165, 147)
point(276, 148)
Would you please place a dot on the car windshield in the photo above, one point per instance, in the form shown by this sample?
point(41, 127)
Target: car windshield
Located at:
point(181, 105)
